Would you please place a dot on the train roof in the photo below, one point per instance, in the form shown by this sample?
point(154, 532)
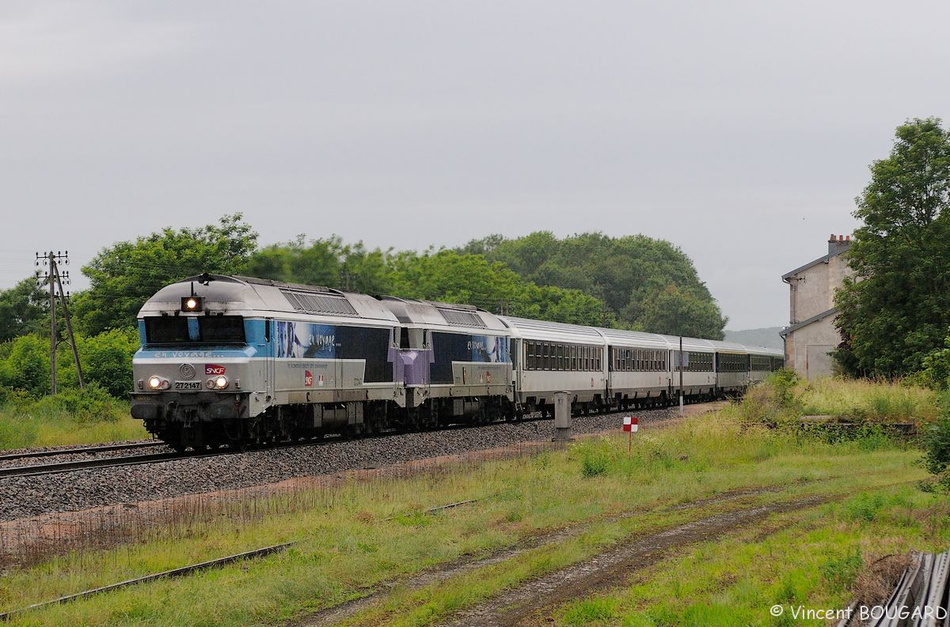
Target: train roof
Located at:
point(435, 314)
point(553, 331)
point(690, 344)
point(728, 347)
point(637, 339)
point(763, 350)
point(247, 296)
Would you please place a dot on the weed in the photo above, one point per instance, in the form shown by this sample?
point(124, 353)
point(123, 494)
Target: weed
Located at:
point(864, 507)
point(840, 571)
point(593, 463)
point(590, 611)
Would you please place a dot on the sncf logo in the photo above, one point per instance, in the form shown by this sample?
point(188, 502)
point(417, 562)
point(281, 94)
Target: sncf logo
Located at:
point(214, 369)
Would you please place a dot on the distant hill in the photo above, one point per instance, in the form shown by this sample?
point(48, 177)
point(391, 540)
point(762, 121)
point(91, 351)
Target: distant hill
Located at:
point(769, 337)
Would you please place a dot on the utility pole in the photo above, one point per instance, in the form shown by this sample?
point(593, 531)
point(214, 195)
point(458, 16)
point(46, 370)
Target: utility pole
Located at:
point(55, 279)
point(681, 375)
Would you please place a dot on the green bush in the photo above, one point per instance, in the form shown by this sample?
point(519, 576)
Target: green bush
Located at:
point(106, 362)
point(783, 382)
point(936, 443)
point(936, 369)
point(26, 365)
point(93, 404)
point(594, 461)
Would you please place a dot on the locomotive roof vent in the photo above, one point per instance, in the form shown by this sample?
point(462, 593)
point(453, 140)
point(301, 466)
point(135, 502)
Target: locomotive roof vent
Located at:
point(462, 318)
point(319, 303)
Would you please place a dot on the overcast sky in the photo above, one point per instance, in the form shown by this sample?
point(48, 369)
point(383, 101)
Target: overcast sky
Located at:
point(739, 131)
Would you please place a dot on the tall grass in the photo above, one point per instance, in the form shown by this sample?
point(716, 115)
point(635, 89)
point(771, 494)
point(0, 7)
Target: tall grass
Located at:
point(862, 400)
point(784, 399)
point(72, 417)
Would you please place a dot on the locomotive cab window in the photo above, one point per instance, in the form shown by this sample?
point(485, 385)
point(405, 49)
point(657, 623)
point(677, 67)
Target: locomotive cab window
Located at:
point(198, 330)
point(221, 330)
point(166, 330)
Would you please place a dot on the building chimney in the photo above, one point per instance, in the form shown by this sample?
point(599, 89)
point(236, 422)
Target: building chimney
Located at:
point(838, 244)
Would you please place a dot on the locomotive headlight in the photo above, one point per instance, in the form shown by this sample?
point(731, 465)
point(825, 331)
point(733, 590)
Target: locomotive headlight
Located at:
point(217, 383)
point(158, 383)
point(191, 303)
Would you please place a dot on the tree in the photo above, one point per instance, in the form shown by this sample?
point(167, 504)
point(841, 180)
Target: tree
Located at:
point(627, 274)
point(22, 310)
point(125, 275)
point(453, 277)
point(896, 308)
point(676, 312)
point(325, 262)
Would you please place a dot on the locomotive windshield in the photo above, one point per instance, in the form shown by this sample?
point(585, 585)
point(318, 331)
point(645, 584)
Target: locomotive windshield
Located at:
point(195, 330)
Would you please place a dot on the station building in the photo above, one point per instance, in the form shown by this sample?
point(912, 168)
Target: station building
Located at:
point(811, 334)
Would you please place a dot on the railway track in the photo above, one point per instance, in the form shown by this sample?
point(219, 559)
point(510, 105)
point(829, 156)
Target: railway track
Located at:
point(86, 450)
point(36, 493)
point(82, 464)
point(89, 455)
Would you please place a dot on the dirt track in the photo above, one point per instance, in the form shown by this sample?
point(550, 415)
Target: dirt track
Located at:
point(527, 604)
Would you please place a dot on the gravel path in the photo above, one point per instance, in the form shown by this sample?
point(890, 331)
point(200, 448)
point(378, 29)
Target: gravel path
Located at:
point(33, 496)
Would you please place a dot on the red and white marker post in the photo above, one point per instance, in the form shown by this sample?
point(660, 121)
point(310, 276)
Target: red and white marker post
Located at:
point(631, 425)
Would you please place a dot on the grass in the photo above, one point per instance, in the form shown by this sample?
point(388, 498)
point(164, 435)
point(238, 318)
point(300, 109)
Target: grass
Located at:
point(862, 400)
point(548, 507)
point(57, 422)
point(813, 561)
point(356, 534)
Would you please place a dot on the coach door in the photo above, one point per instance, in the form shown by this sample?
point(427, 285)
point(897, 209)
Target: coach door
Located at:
point(270, 365)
